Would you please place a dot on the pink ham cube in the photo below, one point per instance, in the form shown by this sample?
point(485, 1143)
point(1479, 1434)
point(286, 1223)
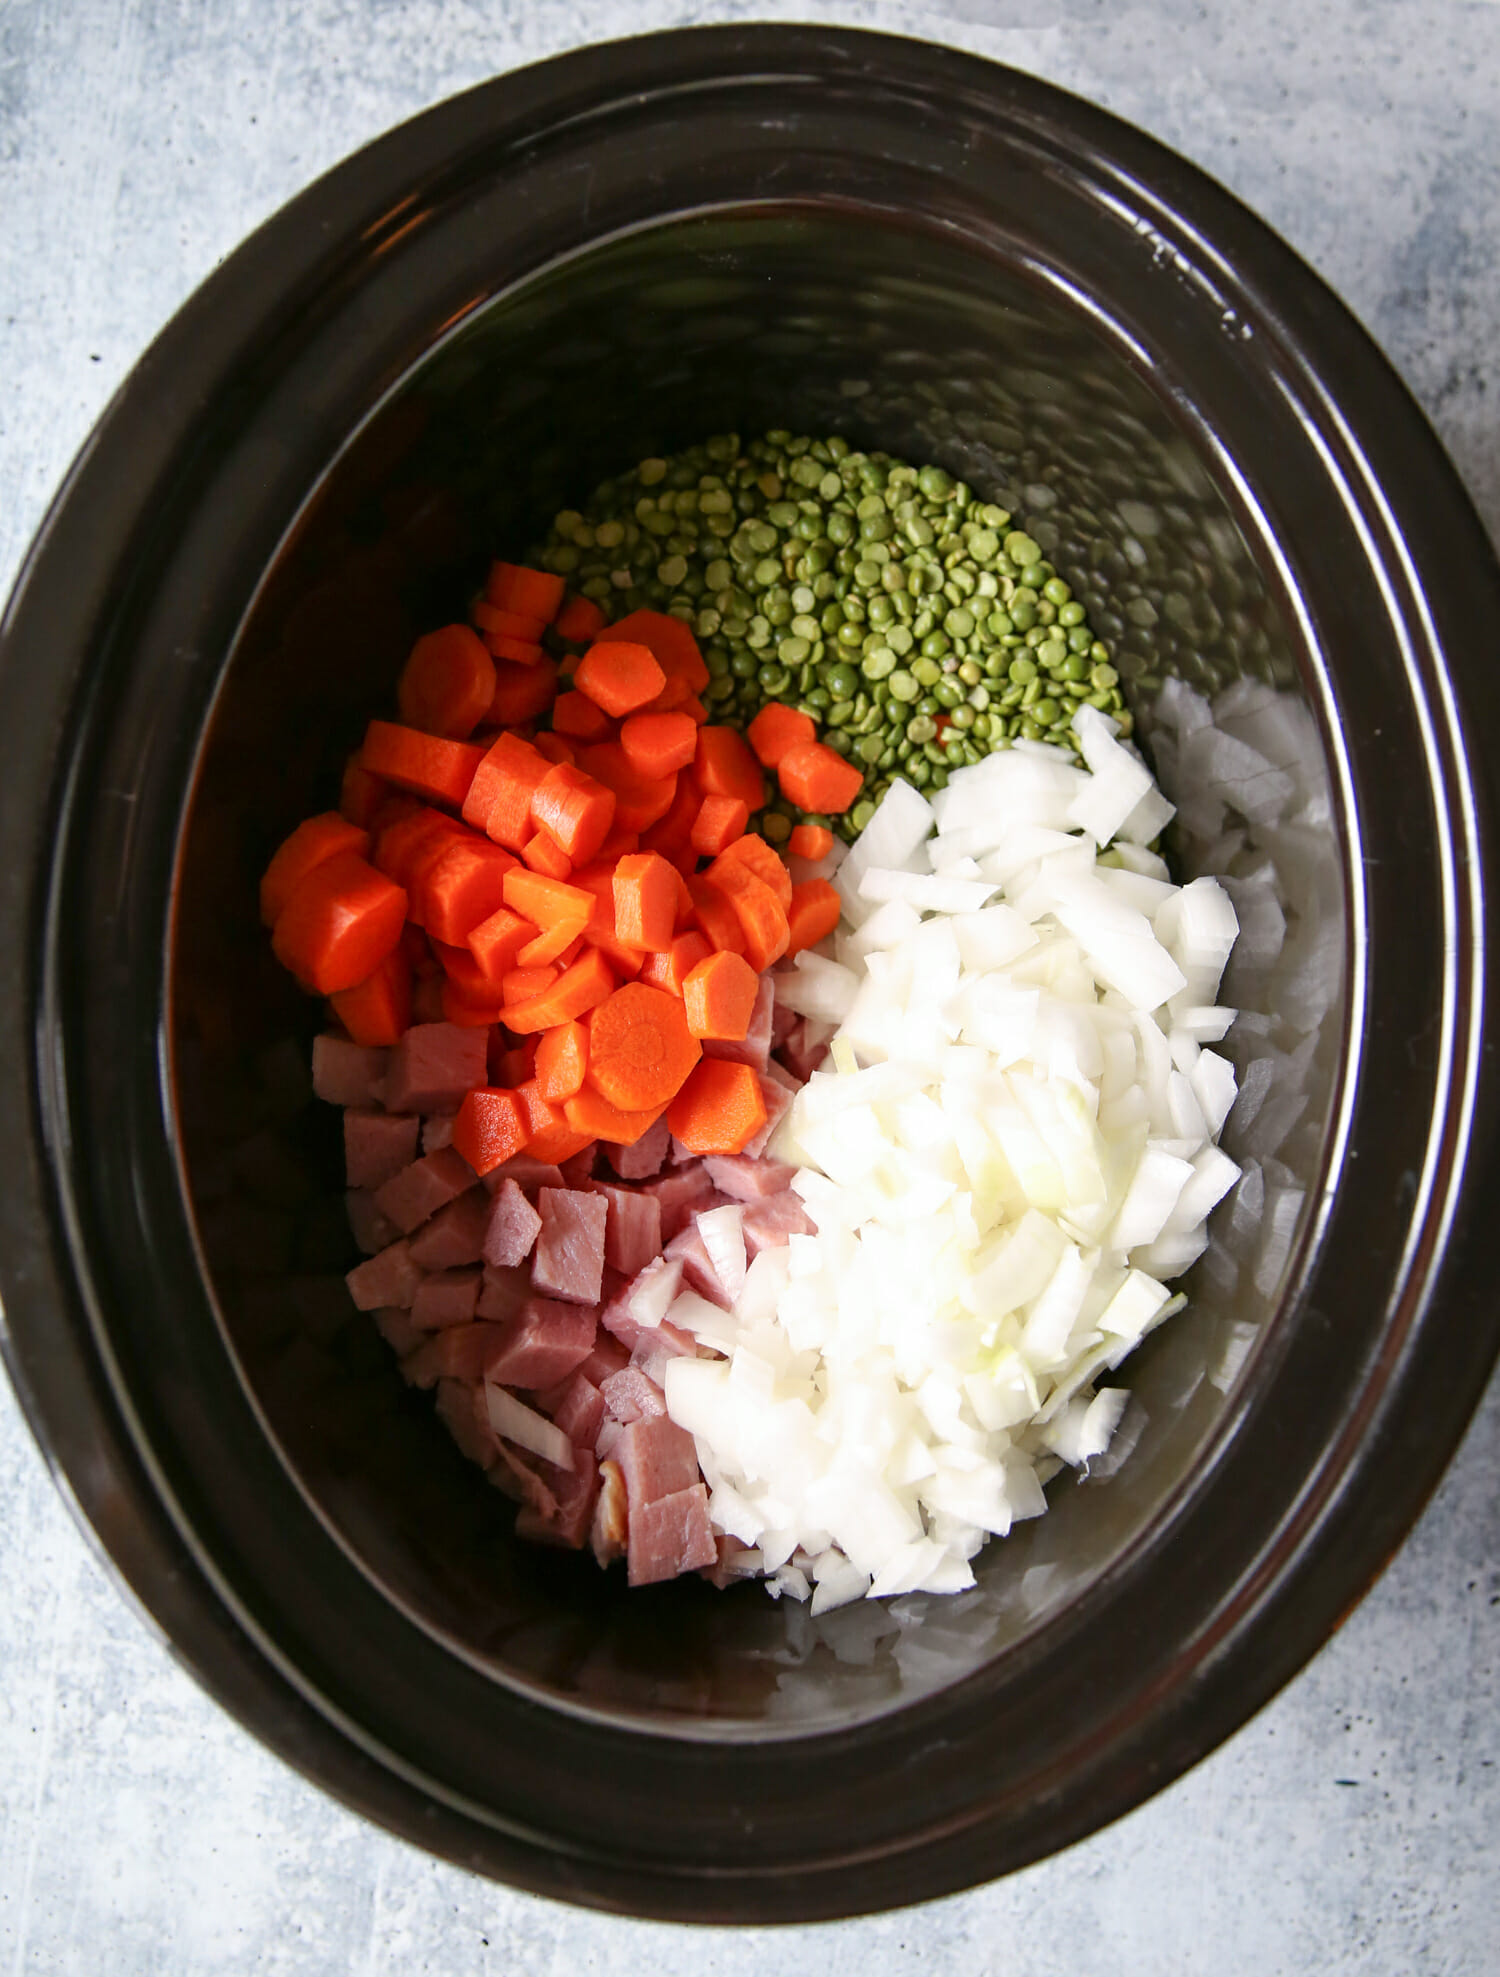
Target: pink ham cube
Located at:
point(697, 1267)
point(437, 1131)
point(546, 1342)
point(632, 1234)
point(424, 1187)
point(630, 1396)
point(396, 1328)
point(568, 1261)
point(455, 1235)
point(744, 1178)
point(435, 1066)
point(669, 1536)
point(682, 1191)
point(346, 1073)
point(512, 1228)
point(461, 1409)
point(503, 1293)
point(446, 1297)
point(387, 1278)
point(641, 1161)
point(458, 1352)
point(768, 1224)
point(528, 1175)
point(578, 1410)
point(573, 1492)
point(377, 1145)
point(656, 1458)
point(778, 1097)
point(371, 1230)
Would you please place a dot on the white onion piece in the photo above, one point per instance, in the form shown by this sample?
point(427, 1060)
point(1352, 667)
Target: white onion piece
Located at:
point(513, 1421)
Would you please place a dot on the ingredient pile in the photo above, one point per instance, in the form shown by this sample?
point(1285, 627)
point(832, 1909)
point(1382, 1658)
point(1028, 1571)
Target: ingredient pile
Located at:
point(755, 1203)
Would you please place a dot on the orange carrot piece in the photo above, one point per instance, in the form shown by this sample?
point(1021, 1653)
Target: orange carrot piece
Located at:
point(463, 885)
point(640, 1048)
point(718, 998)
point(427, 765)
point(405, 849)
point(619, 676)
point(778, 728)
point(499, 799)
point(671, 700)
point(497, 942)
point(815, 778)
point(715, 917)
point(579, 620)
point(551, 944)
point(377, 1010)
point(548, 902)
point(810, 841)
point(360, 794)
point(588, 1111)
point(514, 587)
point(695, 710)
point(522, 693)
point(719, 1109)
point(524, 982)
point(493, 622)
point(658, 745)
point(312, 844)
point(579, 989)
point(490, 1128)
point(598, 879)
point(555, 747)
point(468, 978)
point(724, 766)
point(761, 917)
point(558, 1143)
point(670, 969)
point(561, 1060)
point(640, 801)
point(447, 683)
point(814, 914)
point(339, 924)
point(619, 844)
point(672, 833)
point(518, 651)
point(543, 854)
point(763, 860)
point(469, 1012)
point(576, 715)
point(670, 640)
point(645, 888)
point(510, 1066)
point(720, 820)
point(575, 809)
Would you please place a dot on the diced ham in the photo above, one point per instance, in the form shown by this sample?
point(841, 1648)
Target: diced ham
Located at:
point(579, 1170)
point(424, 1187)
point(697, 1267)
point(669, 1536)
point(657, 1458)
point(517, 1474)
point(346, 1073)
point(578, 1410)
point(805, 1049)
point(608, 1356)
point(607, 1535)
point(455, 1235)
point(755, 1046)
point(461, 1409)
point(437, 1131)
point(546, 1342)
point(653, 1351)
point(528, 1174)
point(574, 1492)
point(783, 1022)
point(435, 1066)
point(681, 1191)
point(371, 1229)
point(568, 1260)
point(396, 1328)
point(630, 1396)
point(641, 1161)
point(632, 1234)
point(377, 1145)
point(658, 1281)
point(679, 1155)
point(769, 1223)
point(446, 1297)
point(512, 1228)
point(778, 1100)
point(390, 1277)
point(503, 1292)
point(458, 1352)
point(744, 1178)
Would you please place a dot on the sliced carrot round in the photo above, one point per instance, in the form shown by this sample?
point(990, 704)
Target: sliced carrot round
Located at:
point(640, 1047)
point(313, 843)
point(718, 997)
point(447, 684)
point(339, 924)
point(719, 1109)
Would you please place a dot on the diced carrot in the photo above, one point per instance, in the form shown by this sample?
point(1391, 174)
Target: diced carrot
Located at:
point(764, 861)
point(588, 1111)
point(718, 998)
point(427, 765)
point(538, 1114)
point(377, 1010)
point(672, 833)
point(551, 944)
point(393, 806)
point(517, 651)
point(720, 820)
point(813, 916)
point(658, 745)
point(467, 977)
point(499, 800)
point(598, 879)
point(406, 848)
point(524, 982)
point(777, 728)
point(672, 642)
point(339, 924)
point(670, 969)
point(579, 989)
point(463, 885)
point(579, 620)
point(555, 747)
point(762, 919)
point(716, 918)
point(719, 1108)
point(489, 1129)
point(814, 777)
point(312, 844)
point(645, 887)
point(576, 715)
point(494, 622)
point(522, 693)
point(724, 766)
point(514, 587)
point(558, 1143)
point(640, 1048)
point(810, 841)
point(447, 683)
point(695, 710)
point(640, 801)
point(618, 675)
point(544, 854)
point(360, 794)
point(469, 1012)
point(548, 902)
point(571, 952)
point(561, 1060)
point(671, 698)
point(575, 809)
point(497, 942)
point(619, 844)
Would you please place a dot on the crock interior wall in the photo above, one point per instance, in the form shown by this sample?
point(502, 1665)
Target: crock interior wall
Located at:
point(841, 322)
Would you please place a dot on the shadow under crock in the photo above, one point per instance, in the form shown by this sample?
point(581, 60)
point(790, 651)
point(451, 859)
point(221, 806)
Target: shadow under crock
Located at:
point(404, 374)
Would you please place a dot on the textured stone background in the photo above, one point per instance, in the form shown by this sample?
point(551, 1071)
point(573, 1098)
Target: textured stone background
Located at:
point(1355, 1824)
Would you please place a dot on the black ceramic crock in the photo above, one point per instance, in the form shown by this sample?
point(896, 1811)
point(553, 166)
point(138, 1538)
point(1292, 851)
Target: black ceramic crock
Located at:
point(404, 372)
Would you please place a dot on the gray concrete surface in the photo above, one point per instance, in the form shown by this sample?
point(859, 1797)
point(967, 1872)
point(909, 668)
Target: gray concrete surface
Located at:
point(1355, 1824)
